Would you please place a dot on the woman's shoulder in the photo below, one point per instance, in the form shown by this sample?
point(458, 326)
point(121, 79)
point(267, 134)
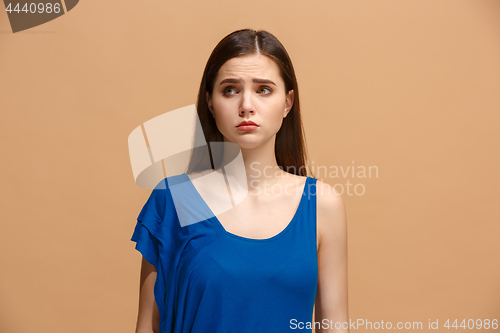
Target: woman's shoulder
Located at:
point(328, 198)
point(331, 215)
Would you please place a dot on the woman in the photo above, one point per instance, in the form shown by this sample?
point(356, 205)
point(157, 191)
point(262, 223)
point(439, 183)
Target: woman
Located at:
point(266, 263)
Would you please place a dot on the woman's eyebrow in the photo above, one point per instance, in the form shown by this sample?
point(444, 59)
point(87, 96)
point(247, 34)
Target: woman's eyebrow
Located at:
point(254, 80)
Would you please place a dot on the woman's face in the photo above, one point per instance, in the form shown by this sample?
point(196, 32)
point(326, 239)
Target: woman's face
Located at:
point(249, 88)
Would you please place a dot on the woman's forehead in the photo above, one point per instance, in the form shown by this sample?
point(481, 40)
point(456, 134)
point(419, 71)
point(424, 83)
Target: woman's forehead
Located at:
point(249, 67)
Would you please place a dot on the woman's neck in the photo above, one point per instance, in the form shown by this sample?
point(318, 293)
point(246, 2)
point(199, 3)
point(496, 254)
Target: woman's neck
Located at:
point(256, 166)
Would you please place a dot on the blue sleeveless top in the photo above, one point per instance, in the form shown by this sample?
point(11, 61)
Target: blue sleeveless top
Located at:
point(210, 280)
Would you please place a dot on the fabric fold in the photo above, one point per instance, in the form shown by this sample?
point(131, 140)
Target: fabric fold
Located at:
point(153, 237)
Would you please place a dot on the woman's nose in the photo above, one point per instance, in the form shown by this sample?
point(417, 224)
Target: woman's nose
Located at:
point(246, 103)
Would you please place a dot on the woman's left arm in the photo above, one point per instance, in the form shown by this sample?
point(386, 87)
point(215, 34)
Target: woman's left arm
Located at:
point(331, 306)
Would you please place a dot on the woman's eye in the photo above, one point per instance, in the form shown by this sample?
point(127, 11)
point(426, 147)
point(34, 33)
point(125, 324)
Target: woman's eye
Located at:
point(229, 90)
point(265, 90)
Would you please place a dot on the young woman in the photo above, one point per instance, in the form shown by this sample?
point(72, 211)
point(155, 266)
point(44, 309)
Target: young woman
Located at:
point(276, 258)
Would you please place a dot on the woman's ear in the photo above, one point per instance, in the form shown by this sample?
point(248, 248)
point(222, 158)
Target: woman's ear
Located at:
point(289, 102)
point(209, 103)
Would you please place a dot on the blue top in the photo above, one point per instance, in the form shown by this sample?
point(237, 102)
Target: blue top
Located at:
point(210, 280)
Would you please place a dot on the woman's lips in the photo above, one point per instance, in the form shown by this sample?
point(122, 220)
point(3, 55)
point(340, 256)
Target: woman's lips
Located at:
point(247, 127)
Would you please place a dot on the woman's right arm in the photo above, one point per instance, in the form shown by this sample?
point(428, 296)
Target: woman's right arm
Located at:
point(148, 318)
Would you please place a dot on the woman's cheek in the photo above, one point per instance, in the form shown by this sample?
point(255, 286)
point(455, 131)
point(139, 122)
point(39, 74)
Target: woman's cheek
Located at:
point(225, 129)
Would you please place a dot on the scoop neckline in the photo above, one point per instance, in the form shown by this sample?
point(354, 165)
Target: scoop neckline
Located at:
point(218, 223)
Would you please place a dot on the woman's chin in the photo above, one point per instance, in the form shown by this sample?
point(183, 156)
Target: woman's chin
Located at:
point(248, 144)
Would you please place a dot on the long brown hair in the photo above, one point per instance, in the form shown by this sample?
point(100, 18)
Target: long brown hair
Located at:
point(290, 148)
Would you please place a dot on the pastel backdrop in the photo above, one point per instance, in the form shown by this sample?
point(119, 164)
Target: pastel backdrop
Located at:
point(408, 87)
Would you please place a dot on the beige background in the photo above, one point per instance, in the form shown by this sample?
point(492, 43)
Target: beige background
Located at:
point(408, 86)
